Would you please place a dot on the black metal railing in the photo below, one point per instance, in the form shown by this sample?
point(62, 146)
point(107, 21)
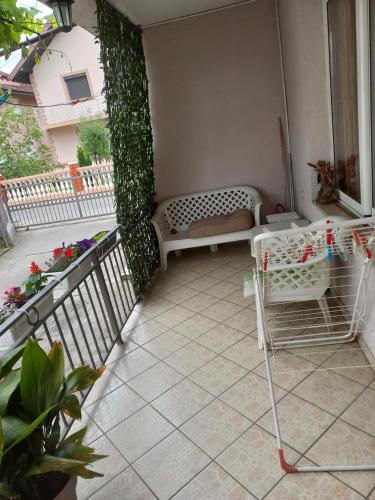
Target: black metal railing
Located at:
point(85, 307)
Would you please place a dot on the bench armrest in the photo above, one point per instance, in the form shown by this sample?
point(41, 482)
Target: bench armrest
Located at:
point(257, 213)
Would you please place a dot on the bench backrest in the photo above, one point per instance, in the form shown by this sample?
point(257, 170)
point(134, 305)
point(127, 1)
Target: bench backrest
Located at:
point(179, 212)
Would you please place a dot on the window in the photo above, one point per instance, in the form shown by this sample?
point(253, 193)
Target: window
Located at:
point(78, 86)
point(349, 26)
point(344, 95)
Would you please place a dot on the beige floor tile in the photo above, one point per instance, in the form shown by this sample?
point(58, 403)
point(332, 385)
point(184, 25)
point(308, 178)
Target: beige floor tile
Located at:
point(170, 465)
point(206, 267)
point(133, 364)
point(154, 381)
point(196, 326)
point(316, 354)
point(222, 289)
point(311, 486)
point(238, 298)
point(221, 311)
point(218, 375)
point(329, 390)
point(213, 483)
point(109, 466)
point(287, 370)
point(199, 302)
point(161, 286)
point(344, 359)
point(251, 397)
point(361, 413)
point(203, 283)
point(120, 350)
point(135, 319)
point(219, 338)
point(154, 306)
point(343, 444)
point(106, 384)
point(189, 358)
point(146, 332)
point(166, 344)
point(174, 316)
point(300, 422)
point(245, 321)
point(182, 402)
point(180, 294)
point(115, 407)
point(93, 432)
point(245, 353)
point(185, 277)
point(127, 485)
point(140, 432)
point(222, 272)
point(253, 461)
point(238, 277)
point(215, 427)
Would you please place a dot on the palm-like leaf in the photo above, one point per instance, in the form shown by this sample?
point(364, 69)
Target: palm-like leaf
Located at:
point(8, 385)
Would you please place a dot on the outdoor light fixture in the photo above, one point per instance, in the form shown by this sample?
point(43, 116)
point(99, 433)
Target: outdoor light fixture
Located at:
point(62, 10)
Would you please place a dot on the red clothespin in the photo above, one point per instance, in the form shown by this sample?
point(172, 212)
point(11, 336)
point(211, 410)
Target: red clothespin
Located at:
point(365, 247)
point(74, 102)
point(356, 238)
point(265, 261)
point(308, 252)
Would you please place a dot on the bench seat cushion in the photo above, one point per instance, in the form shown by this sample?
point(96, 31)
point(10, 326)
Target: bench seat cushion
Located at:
point(239, 220)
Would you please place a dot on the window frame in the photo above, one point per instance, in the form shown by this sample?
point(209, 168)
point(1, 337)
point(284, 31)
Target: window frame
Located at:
point(83, 72)
point(362, 8)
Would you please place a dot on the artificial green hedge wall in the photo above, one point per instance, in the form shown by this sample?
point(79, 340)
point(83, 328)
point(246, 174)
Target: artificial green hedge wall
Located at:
point(126, 91)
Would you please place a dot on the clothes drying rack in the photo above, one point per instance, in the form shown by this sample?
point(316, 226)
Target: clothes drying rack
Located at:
point(311, 287)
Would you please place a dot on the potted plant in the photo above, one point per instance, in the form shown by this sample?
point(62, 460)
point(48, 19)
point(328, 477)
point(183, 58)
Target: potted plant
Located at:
point(109, 243)
point(62, 258)
point(37, 461)
point(35, 284)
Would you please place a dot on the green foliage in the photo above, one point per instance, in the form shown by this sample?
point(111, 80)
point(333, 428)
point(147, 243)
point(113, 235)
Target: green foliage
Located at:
point(22, 151)
point(31, 399)
point(83, 158)
point(126, 91)
point(95, 141)
point(14, 23)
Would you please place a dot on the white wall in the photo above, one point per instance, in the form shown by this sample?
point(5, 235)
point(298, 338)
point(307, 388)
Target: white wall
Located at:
point(215, 93)
point(65, 140)
point(306, 75)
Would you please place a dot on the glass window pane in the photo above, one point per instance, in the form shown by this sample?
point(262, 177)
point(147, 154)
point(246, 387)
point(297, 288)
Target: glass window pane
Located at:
point(78, 86)
point(343, 66)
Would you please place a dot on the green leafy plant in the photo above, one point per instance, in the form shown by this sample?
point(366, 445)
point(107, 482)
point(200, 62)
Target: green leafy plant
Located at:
point(129, 123)
point(94, 136)
point(35, 460)
point(36, 281)
point(83, 158)
point(22, 151)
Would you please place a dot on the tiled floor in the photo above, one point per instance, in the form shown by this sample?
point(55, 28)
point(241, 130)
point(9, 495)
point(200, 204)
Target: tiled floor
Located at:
point(183, 410)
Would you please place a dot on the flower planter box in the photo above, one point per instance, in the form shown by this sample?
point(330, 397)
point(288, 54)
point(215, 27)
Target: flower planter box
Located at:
point(108, 244)
point(71, 280)
point(21, 328)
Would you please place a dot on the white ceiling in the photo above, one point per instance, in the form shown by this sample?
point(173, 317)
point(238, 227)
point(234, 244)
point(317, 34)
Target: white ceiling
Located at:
point(148, 12)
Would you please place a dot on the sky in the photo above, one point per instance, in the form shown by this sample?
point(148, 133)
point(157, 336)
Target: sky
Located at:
point(8, 65)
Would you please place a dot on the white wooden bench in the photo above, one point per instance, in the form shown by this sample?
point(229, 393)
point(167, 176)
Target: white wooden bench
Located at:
point(173, 217)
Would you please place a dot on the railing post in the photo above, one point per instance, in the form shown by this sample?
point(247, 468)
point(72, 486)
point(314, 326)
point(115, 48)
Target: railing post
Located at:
point(77, 182)
point(105, 295)
point(73, 180)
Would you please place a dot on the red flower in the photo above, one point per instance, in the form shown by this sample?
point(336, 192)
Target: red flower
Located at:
point(69, 252)
point(57, 252)
point(35, 269)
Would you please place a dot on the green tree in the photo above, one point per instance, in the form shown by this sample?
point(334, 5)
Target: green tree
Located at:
point(22, 151)
point(95, 140)
point(15, 22)
point(83, 158)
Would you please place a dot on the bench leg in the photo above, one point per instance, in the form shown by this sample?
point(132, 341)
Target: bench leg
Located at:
point(163, 260)
point(213, 248)
point(178, 253)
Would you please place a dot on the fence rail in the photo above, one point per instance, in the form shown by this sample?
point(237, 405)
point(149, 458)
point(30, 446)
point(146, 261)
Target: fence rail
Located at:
point(86, 311)
point(59, 196)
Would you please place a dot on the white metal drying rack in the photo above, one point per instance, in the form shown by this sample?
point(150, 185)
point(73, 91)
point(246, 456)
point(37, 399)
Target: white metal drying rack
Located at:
point(311, 287)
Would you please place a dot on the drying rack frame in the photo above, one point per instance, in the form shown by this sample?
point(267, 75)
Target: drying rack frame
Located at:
point(266, 345)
